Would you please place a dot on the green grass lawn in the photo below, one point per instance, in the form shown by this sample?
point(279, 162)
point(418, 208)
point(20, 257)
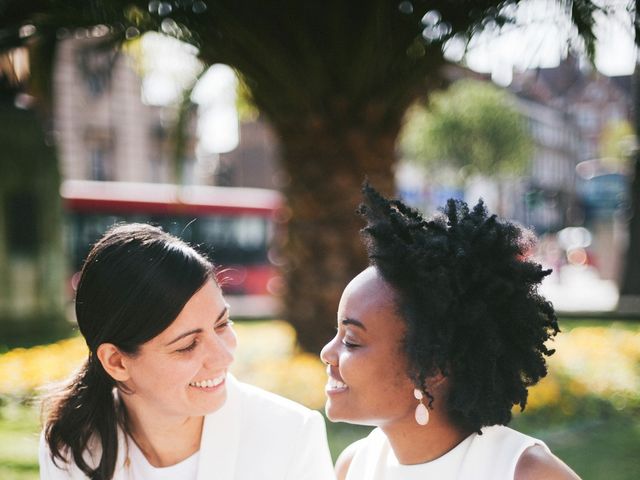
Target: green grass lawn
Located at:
point(606, 449)
point(19, 428)
point(600, 449)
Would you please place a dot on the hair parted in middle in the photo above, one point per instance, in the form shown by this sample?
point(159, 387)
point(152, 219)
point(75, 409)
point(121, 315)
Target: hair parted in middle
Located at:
point(469, 299)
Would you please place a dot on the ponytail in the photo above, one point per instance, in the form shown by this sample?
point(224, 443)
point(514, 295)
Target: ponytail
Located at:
point(82, 410)
point(134, 283)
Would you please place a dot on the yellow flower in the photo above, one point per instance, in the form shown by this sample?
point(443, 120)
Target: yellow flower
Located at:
point(23, 370)
point(545, 393)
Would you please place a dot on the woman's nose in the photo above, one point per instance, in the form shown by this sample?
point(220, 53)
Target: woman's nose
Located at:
point(219, 353)
point(328, 354)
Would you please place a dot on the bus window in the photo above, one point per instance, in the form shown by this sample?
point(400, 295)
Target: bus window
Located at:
point(232, 226)
point(240, 240)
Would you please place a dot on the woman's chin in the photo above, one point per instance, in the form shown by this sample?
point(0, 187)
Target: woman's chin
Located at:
point(332, 413)
point(212, 404)
point(335, 414)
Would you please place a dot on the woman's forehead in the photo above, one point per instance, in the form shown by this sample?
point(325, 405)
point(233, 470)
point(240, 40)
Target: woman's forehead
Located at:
point(369, 283)
point(367, 297)
point(202, 308)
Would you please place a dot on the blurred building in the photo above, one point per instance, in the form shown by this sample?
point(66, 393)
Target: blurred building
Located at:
point(254, 163)
point(584, 97)
point(549, 199)
point(104, 131)
point(568, 108)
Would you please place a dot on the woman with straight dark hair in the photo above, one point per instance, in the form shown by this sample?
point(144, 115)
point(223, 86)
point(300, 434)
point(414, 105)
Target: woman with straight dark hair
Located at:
point(154, 399)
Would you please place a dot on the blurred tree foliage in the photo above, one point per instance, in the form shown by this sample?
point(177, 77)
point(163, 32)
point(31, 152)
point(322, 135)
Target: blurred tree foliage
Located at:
point(333, 79)
point(473, 127)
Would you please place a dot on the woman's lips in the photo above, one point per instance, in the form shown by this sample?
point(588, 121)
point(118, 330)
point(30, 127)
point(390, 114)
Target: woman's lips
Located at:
point(210, 384)
point(334, 384)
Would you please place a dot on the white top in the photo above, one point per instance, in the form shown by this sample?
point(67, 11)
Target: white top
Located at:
point(490, 456)
point(140, 467)
point(254, 435)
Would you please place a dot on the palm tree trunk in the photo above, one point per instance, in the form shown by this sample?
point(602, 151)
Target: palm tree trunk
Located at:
point(324, 250)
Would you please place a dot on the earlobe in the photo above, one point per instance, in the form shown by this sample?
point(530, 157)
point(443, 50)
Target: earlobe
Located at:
point(113, 362)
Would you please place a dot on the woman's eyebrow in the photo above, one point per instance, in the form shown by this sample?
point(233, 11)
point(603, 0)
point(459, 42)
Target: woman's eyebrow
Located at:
point(224, 311)
point(354, 322)
point(198, 330)
point(185, 334)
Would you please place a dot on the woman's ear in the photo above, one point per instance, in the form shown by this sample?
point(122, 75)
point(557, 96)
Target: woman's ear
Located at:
point(437, 383)
point(437, 380)
point(112, 360)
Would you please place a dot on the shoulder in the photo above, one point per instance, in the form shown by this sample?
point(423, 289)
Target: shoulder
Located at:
point(501, 434)
point(537, 462)
point(54, 469)
point(65, 468)
point(501, 452)
point(344, 459)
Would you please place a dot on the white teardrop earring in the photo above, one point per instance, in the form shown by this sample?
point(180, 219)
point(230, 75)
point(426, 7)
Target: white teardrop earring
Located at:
point(422, 412)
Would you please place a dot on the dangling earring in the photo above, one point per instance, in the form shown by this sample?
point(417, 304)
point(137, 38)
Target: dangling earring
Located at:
point(422, 413)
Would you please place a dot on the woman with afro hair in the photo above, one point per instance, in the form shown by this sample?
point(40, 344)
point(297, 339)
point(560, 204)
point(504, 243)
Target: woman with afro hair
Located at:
point(437, 341)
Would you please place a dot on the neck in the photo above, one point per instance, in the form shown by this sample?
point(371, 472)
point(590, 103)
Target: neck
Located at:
point(163, 440)
point(413, 444)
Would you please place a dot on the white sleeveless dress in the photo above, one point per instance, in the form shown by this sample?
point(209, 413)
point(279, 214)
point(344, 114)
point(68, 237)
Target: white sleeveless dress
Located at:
point(490, 456)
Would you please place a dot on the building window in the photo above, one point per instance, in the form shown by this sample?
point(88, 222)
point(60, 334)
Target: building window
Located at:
point(98, 164)
point(98, 142)
point(96, 65)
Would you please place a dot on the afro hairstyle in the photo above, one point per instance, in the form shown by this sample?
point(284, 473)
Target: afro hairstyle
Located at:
point(468, 296)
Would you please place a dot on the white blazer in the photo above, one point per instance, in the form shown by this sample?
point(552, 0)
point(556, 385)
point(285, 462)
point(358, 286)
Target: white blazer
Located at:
point(255, 435)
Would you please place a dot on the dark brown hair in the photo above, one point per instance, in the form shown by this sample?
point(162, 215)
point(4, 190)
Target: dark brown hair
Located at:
point(134, 283)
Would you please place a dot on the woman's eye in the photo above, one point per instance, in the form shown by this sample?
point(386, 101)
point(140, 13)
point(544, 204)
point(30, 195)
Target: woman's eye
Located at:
point(224, 324)
point(188, 348)
point(349, 344)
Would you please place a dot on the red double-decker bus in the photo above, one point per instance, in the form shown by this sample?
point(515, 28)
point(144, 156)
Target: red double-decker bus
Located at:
point(233, 226)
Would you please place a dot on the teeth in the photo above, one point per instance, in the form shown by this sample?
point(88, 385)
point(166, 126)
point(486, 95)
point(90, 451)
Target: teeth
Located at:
point(212, 382)
point(334, 384)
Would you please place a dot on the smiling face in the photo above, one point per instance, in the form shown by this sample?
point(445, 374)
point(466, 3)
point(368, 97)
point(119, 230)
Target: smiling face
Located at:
point(181, 372)
point(368, 381)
